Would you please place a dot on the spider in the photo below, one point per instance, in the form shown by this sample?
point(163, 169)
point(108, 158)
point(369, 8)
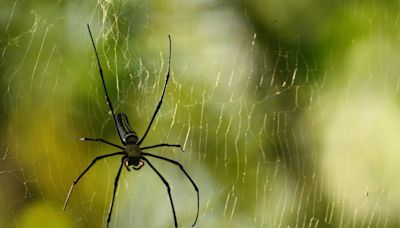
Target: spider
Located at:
point(132, 153)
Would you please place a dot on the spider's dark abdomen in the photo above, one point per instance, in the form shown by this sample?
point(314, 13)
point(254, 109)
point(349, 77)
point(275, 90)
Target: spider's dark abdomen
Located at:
point(127, 134)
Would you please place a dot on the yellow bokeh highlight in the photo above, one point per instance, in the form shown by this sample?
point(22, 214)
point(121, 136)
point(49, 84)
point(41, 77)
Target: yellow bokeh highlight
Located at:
point(43, 215)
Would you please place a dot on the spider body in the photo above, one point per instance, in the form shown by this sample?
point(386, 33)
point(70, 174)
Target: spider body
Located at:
point(131, 151)
point(133, 154)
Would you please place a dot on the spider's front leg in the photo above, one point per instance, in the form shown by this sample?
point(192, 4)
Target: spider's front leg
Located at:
point(162, 95)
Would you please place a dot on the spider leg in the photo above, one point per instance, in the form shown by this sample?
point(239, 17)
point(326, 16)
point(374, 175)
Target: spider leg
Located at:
point(162, 145)
point(83, 173)
point(166, 185)
point(162, 95)
point(114, 192)
point(186, 174)
point(101, 140)
point(103, 82)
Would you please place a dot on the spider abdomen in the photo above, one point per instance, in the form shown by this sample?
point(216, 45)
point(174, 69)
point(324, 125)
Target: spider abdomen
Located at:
point(128, 135)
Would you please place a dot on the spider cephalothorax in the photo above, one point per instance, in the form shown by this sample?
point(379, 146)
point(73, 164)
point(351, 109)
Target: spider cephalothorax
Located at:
point(132, 154)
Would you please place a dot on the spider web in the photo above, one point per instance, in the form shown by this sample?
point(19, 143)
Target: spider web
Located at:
point(287, 112)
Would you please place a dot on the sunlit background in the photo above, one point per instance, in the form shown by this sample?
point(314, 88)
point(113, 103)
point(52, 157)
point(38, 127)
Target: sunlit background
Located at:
point(288, 112)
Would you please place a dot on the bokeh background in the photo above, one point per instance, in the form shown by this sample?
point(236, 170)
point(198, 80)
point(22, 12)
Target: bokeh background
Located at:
point(288, 112)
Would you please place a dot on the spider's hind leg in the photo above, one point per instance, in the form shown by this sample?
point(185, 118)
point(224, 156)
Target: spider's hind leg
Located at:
point(114, 192)
point(83, 173)
point(186, 174)
point(167, 186)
